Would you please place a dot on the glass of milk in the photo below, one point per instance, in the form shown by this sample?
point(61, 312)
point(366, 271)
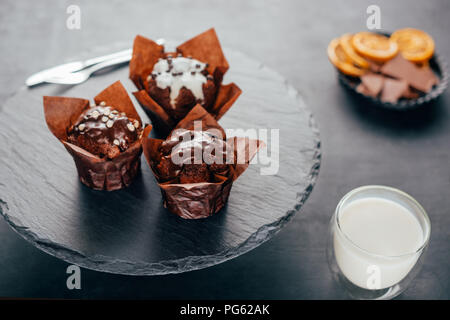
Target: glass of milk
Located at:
point(377, 239)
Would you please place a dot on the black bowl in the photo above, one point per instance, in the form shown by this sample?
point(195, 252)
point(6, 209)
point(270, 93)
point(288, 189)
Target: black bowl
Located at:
point(439, 68)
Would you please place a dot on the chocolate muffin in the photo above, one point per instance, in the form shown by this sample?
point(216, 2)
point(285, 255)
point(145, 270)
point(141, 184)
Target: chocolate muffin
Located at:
point(195, 169)
point(104, 139)
point(170, 84)
point(179, 83)
point(189, 156)
point(104, 131)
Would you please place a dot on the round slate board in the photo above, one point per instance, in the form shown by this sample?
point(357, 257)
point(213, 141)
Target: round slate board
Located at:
point(129, 231)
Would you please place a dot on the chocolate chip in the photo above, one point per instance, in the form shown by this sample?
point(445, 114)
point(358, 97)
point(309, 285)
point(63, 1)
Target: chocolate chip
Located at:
point(123, 145)
point(198, 66)
point(193, 73)
point(131, 127)
point(95, 114)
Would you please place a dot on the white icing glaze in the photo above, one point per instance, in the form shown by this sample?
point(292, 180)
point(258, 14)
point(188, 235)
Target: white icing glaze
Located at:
point(180, 73)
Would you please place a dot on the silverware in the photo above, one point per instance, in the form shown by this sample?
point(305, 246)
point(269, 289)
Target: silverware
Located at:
point(79, 71)
point(81, 76)
point(70, 67)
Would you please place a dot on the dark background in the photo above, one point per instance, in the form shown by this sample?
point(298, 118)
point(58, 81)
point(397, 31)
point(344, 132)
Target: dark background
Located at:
point(360, 145)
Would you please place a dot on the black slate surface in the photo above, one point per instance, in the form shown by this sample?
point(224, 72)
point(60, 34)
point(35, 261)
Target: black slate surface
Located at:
point(129, 231)
point(409, 151)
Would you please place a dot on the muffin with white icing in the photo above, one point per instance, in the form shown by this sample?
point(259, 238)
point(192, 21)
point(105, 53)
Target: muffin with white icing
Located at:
point(170, 83)
point(179, 83)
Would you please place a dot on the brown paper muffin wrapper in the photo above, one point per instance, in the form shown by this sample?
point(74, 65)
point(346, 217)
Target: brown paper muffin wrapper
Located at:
point(200, 200)
point(206, 48)
point(61, 113)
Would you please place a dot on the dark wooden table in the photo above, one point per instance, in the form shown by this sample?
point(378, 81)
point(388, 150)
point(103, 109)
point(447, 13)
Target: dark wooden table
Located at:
point(360, 145)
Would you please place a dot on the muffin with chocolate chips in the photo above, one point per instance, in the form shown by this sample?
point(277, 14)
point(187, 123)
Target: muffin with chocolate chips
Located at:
point(104, 131)
point(189, 156)
point(196, 167)
point(104, 139)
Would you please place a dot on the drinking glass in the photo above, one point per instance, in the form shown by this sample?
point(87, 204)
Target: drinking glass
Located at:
point(369, 275)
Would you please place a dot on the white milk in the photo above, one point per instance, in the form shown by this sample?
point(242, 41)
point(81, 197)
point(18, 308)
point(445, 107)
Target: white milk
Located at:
point(383, 229)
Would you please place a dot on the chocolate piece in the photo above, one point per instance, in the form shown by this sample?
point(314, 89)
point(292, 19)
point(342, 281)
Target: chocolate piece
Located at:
point(420, 78)
point(361, 88)
point(107, 157)
point(373, 83)
point(194, 191)
point(429, 74)
point(393, 90)
point(156, 101)
point(411, 93)
point(374, 66)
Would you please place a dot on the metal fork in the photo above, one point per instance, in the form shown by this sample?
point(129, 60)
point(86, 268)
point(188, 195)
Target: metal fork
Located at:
point(70, 67)
point(81, 76)
point(79, 71)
